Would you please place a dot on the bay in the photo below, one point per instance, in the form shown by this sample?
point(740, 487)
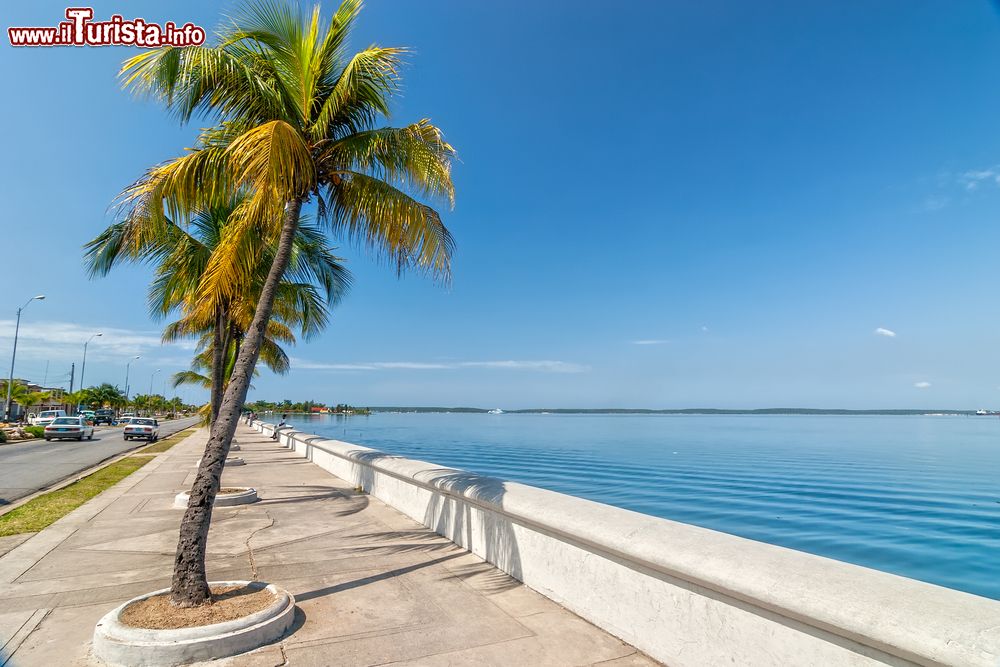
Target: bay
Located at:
point(917, 496)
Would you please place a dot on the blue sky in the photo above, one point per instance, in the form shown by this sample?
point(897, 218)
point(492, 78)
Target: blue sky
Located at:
point(660, 204)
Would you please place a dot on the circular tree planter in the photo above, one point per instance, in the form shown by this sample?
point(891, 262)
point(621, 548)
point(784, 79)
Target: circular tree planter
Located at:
point(234, 447)
point(238, 496)
point(120, 644)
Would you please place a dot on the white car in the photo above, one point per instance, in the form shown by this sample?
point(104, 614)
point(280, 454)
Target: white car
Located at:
point(46, 417)
point(75, 428)
point(143, 428)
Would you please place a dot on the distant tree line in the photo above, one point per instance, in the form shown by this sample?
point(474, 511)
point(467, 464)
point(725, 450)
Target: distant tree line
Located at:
point(93, 398)
point(305, 406)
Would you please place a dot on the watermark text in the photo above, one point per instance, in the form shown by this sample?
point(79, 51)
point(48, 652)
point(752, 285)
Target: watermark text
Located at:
point(79, 29)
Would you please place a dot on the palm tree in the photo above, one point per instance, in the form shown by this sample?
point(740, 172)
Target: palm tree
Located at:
point(19, 393)
point(72, 399)
point(107, 395)
point(36, 398)
point(296, 124)
point(22, 395)
point(142, 402)
point(181, 255)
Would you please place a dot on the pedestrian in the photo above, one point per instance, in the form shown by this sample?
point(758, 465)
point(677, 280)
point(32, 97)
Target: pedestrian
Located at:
point(280, 426)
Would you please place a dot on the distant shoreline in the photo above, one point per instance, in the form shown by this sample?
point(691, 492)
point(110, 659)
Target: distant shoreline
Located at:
point(684, 411)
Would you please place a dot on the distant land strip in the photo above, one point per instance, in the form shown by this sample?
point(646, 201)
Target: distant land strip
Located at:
point(684, 411)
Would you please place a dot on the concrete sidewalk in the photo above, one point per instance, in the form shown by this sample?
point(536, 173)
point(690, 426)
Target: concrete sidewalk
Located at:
point(373, 587)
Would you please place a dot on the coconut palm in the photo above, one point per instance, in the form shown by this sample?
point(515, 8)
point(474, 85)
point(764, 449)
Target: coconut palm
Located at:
point(297, 124)
point(181, 254)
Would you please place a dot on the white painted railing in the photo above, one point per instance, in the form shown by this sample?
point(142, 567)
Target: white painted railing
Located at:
point(683, 594)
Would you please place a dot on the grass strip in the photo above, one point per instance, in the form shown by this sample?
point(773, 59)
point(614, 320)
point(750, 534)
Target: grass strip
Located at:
point(41, 512)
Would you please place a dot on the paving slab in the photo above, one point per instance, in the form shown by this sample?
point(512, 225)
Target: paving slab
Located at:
point(372, 586)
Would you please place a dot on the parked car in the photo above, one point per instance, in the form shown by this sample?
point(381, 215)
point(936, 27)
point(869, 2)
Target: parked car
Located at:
point(88, 415)
point(46, 417)
point(75, 428)
point(143, 428)
point(125, 418)
point(104, 417)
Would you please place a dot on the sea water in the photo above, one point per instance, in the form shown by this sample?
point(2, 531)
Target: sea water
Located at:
point(918, 496)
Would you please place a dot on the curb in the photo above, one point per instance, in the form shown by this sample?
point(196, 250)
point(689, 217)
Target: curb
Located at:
point(119, 644)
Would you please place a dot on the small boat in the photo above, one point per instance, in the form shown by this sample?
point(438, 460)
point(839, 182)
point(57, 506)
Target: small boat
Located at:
point(495, 411)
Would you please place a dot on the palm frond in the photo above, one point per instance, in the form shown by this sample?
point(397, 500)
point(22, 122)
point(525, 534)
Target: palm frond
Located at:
point(391, 223)
point(415, 158)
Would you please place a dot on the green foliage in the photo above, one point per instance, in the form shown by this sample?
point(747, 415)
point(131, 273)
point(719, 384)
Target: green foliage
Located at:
point(304, 406)
point(3, 436)
point(35, 431)
point(19, 393)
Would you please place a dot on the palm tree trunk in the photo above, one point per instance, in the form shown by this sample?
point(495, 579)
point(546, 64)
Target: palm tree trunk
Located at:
point(218, 361)
point(190, 582)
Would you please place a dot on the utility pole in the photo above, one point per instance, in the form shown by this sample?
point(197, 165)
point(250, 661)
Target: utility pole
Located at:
point(72, 373)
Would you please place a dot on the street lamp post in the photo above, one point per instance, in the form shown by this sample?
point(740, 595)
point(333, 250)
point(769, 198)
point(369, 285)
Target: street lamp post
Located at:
point(13, 355)
point(126, 377)
point(83, 368)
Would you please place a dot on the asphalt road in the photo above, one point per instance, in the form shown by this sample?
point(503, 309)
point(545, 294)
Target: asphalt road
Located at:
point(31, 466)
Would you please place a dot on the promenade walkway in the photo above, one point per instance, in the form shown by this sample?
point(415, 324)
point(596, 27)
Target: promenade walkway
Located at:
point(373, 587)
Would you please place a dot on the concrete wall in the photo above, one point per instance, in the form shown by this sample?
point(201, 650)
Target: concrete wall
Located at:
point(684, 595)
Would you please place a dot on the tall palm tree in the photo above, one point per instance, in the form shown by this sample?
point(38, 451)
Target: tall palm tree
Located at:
point(182, 253)
point(297, 123)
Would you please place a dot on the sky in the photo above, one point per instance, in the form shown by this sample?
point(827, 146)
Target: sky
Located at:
point(659, 205)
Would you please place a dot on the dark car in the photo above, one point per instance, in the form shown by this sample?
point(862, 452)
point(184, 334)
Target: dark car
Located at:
point(104, 417)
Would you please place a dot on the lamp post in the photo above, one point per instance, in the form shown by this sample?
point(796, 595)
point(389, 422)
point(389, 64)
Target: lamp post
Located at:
point(83, 368)
point(13, 355)
point(126, 378)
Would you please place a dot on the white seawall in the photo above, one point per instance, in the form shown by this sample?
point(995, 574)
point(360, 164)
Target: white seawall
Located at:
point(683, 594)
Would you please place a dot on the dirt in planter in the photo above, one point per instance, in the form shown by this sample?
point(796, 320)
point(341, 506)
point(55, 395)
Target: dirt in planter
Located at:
point(228, 603)
point(231, 489)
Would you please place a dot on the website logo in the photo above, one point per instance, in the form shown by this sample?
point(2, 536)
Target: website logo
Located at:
point(81, 30)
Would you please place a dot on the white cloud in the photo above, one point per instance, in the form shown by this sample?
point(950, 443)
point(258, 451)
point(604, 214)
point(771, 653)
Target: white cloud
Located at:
point(63, 341)
point(921, 385)
point(544, 366)
point(888, 333)
point(974, 178)
point(650, 341)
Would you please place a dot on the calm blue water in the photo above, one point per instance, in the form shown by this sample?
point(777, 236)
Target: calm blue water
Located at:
point(917, 496)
